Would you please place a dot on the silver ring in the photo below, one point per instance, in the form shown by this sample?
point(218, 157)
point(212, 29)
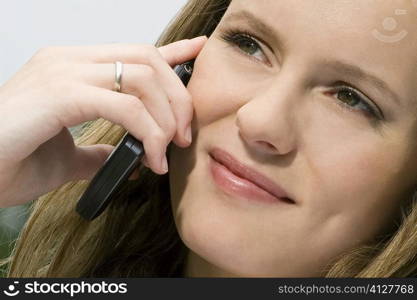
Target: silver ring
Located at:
point(118, 81)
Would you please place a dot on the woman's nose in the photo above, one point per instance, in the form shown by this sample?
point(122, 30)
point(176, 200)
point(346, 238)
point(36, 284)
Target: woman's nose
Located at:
point(266, 123)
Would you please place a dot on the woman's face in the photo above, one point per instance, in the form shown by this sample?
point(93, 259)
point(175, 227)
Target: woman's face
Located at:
point(279, 104)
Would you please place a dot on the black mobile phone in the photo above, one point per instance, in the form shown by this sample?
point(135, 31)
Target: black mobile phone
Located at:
point(118, 166)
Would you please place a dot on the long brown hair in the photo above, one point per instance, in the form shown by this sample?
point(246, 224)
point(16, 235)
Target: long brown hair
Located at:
point(136, 236)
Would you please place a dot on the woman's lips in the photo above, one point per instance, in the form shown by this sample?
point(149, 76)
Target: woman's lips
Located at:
point(228, 177)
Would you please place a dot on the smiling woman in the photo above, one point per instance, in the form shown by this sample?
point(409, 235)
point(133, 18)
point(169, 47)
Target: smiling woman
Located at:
point(302, 162)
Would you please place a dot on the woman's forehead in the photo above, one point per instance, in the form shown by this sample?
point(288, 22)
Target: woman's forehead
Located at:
point(405, 11)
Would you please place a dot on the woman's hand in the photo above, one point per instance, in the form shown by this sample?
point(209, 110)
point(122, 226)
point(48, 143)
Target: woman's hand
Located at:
point(61, 87)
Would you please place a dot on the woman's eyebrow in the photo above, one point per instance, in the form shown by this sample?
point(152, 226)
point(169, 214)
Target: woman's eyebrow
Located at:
point(260, 26)
point(356, 72)
point(346, 68)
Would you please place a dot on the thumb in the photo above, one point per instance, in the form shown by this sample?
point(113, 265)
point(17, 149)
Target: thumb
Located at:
point(181, 51)
point(89, 159)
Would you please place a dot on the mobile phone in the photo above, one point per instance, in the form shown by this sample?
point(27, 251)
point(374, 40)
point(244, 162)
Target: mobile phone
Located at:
point(118, 167)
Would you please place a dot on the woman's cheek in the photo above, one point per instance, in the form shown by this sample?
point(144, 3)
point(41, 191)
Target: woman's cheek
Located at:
point(210, 104)
point(215, 87)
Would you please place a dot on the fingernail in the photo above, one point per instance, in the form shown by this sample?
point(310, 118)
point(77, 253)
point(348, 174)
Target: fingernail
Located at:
point(188, 135)
point(164, 164)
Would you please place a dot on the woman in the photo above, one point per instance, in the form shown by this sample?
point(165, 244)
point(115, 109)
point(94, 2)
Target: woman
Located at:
point(279, 87)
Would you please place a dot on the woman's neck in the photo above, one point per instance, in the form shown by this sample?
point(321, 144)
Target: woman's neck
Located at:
point(196, 266)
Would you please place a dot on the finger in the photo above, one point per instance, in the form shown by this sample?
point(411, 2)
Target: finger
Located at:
point(179, 96)
point(177, 53)
point(159, 88)
point(142, 82)
point(119, 108)
point(174, 53)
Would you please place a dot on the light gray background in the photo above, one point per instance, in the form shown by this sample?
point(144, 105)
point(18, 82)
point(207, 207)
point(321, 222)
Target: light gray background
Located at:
point(28, 25)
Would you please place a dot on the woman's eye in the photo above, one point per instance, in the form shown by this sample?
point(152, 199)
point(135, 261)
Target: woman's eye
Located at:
point(349, 98)
point(353, 101)
point(245, 42)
